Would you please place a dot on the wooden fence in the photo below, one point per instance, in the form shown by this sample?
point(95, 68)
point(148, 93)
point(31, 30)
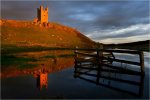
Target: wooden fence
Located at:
point(85, 59)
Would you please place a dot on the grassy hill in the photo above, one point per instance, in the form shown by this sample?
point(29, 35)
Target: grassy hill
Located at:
point(29, 34)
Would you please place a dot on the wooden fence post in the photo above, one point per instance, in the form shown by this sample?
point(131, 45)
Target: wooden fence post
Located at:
point(141, 87)
point(75, 61)
point(99, 64)
point(142, 62)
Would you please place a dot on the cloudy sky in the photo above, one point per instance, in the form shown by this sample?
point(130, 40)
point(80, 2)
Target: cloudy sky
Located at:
point(111, 21)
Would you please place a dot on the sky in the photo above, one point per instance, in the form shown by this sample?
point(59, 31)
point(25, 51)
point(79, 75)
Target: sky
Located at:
point(107, 21)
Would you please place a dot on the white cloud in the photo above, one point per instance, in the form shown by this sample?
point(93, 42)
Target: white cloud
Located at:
point(132, 33)
point(125, 40)
point(83, 17)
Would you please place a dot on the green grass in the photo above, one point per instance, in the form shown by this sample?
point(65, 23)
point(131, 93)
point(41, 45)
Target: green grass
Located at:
point(11, 60)
point(50, 56)
point(66, 55)
point(59, 56)
point(8, 49)
point(33, 35)
point(26, 66)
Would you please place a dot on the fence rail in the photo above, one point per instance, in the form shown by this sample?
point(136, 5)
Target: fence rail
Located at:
point(99, 57)
point(101, 60)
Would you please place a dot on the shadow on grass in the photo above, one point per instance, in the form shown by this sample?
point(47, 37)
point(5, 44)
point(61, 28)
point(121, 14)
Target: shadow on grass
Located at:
point(11, 60)
point(5, 49)
point(59, 56)
point(26, 66)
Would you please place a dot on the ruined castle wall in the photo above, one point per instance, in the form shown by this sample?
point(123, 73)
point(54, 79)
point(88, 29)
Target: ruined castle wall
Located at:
point(44, 17)
point(42, 14)
point(38, 14)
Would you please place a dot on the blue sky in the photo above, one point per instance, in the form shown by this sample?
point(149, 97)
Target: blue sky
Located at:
point(111, 21)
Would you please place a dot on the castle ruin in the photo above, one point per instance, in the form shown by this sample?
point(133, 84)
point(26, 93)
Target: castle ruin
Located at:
point(42, 15)
point(41, 77)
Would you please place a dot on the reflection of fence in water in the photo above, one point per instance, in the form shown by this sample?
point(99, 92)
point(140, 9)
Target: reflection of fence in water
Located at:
point(99, 63)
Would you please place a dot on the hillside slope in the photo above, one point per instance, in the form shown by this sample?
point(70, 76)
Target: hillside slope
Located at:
point(27, 33)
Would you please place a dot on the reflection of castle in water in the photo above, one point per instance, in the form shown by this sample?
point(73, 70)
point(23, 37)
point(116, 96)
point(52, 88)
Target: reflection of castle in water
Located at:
point(42, 78)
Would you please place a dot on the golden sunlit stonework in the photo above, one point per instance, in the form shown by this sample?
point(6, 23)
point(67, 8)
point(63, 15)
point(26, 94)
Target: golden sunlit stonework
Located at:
point(42, 78)
point(42, 15)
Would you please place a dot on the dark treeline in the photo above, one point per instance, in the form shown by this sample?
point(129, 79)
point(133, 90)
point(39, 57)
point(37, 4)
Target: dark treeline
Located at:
point(140, 45)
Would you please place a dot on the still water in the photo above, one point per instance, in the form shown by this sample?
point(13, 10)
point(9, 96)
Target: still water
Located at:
point(51, 75)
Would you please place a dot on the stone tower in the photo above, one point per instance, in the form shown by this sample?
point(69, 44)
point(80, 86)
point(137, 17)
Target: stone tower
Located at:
point(42, 14)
